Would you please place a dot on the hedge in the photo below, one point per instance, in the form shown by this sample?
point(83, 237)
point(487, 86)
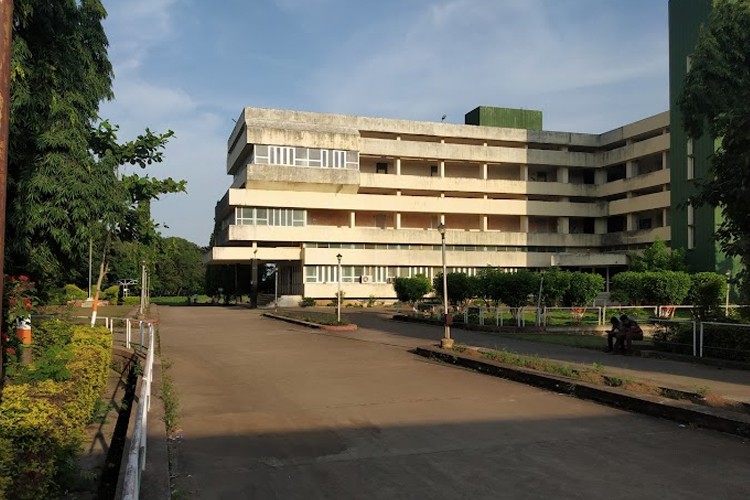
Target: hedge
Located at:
point(42, 423)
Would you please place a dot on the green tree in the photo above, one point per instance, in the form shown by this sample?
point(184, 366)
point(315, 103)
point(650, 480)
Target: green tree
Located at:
point(707, 292)
point(179, 268)
point(628, 288)
point(716, 100)
point(666, 287)
point(556, 283)
point(658, 257)
point(59, 74)
point(461, 287)
point(411, 290)
point(519, 287)
point(582, 289)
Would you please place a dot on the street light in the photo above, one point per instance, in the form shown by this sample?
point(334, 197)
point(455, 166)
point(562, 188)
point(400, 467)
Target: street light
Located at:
point(446, 342)
point(729, 285)
point(338, 295)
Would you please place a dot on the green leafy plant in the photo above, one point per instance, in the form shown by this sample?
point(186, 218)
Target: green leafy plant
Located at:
point(307, 302)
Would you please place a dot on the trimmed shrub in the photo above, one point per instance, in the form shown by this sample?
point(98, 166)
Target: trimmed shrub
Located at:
point(627, 288)
point(411, 290)
point(43, 422)
point(72, 292)
point(307, 302)
point(707, 291)
point(111, 293)
point(666, 287)
point(582, 289)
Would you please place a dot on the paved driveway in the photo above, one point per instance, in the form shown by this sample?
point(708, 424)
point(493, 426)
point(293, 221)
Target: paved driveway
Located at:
point(271, 410)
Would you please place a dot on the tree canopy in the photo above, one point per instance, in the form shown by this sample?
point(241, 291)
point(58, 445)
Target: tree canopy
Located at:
point(716, 100)
point(65, 187)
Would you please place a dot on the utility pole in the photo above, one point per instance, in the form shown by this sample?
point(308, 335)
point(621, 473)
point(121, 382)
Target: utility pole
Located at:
point(6, 35)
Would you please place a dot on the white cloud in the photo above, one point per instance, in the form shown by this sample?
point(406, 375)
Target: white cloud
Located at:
point(457, 54)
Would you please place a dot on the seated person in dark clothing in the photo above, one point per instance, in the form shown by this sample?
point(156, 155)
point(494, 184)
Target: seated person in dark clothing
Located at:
point(613, 333)
point(630, 332)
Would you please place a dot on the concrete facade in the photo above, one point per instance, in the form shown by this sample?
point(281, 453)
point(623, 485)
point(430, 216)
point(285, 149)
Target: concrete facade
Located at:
point(310, 186)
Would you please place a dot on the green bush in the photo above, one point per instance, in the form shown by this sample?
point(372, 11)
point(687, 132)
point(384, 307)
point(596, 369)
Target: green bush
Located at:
point(51, 332)
point(707, 291)
point(666, 287)
point(131, 301)
point(627, 288)
point(307, 302)
point(42, 422)
point(110, 293)
point(582, 289)
point(72, 292)
point(411, 290)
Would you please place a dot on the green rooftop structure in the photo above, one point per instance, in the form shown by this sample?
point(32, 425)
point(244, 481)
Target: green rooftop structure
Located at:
point(490, 116)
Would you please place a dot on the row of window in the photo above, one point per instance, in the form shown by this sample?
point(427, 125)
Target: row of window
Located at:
point(260, 216)
point(375, 274)
point(305, 157)
point(450, 248)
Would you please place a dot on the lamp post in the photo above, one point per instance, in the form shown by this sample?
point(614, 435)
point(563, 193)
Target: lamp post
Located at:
point(446, 342)
point(276, 288)
point(338, 294)
point(729, 285)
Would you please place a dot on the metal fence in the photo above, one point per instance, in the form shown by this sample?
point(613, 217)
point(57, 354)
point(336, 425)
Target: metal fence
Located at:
point(136, 461)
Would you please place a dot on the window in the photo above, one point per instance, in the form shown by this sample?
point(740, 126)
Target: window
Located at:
point(305, 157)
point(433, 170)
point(691, 227)
point(644, 223)
point(258, 216)
point(690, 159)
point(381, 168)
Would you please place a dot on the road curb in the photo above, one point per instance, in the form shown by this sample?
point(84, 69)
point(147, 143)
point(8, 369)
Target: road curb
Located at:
point(329, 328)
point(680, 411)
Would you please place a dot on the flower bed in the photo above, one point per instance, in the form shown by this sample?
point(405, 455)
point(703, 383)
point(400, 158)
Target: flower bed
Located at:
point(42, 420)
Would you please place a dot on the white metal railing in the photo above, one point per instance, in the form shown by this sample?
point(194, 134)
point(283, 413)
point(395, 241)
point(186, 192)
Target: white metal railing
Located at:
point(710, 323)
point(136, 462)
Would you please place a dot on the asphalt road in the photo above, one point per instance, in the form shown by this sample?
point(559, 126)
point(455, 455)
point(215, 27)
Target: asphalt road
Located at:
point(271, 410)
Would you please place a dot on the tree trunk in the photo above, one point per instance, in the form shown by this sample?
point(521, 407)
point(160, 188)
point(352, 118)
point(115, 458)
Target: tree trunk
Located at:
point(103, 265)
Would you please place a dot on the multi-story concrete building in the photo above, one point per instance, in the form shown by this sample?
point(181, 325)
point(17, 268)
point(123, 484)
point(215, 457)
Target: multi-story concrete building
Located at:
point(309, 186)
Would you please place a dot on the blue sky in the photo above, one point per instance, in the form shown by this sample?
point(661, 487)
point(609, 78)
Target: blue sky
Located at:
point(191, 66)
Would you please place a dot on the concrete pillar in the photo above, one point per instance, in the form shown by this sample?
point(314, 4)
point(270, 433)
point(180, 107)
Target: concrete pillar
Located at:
point(254, 284)
point(484, 170)
point(442, 218)
point(442, 168)
point(664, 160)
point(484, 223)
point(600, 226)
point(525, 173)
point(524, 223)
point(600, 176)
point(563, 225)
point(398, 220)
point(630, 169)
point(664, 217)
point(352, 219)
point(562, 174)
point(630, 224)
point(398, 166)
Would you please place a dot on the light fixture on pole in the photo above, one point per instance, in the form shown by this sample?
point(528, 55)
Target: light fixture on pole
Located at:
point(446, 342)
point(338, 294)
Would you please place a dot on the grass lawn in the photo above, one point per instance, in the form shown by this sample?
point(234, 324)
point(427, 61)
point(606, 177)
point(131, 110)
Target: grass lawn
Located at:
point(584, 341)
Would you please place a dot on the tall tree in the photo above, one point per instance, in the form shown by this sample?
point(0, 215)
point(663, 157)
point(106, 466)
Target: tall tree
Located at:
point(179, 268)
point(59, 74)
point(716, 100)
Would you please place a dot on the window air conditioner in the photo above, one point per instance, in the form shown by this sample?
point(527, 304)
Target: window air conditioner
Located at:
point(365, 279)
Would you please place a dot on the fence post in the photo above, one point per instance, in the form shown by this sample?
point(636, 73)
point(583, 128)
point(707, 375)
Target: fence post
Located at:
point(140, 328)
point(701, 341)
point(695, 339)
point(127, 333)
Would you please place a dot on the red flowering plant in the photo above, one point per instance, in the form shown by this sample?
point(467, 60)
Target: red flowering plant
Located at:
point(18, 300)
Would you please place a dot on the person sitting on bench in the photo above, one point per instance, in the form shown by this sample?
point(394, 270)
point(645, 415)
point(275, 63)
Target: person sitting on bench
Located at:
point(629, 332)
point(613, 333)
